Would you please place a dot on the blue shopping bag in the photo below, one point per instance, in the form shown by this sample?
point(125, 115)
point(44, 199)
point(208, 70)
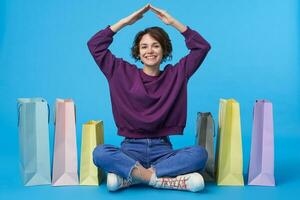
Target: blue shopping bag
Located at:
point(33, 119)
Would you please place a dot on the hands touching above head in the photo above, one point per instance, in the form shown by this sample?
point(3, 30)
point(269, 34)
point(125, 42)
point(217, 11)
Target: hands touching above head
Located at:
point(135, 16)
point(168, 19)
point(162, 14)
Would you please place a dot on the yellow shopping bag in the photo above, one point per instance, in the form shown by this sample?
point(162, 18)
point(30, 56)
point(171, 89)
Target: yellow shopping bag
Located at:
point(92, 135)
point(229, 157)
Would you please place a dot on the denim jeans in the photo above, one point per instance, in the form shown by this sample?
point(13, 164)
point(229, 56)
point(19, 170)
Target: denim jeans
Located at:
point(149, 152)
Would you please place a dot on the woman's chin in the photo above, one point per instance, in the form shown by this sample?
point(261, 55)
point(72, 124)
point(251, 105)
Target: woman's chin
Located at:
point(151, 64)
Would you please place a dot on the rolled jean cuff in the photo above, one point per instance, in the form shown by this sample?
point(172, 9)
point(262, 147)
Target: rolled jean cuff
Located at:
point(129, 177)
point(154, 170)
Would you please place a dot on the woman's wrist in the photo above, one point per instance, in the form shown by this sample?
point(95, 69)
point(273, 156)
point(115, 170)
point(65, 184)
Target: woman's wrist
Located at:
point(117, 26)
point(178, 25)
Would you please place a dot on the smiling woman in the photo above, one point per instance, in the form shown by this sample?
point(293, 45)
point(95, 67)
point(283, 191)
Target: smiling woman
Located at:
point(152, 46)
point(144, 104)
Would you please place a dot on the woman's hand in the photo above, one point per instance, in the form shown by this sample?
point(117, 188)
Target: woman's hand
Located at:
point(131, 19)
point(163, 15)
point(168, 19)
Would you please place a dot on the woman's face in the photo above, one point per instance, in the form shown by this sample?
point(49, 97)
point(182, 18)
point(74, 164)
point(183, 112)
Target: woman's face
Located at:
point(150, 51)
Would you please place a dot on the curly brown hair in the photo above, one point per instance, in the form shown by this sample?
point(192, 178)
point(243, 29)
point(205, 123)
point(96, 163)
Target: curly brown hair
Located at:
point(158, 34)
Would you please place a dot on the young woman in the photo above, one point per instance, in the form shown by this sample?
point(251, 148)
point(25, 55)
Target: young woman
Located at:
point(149, 105)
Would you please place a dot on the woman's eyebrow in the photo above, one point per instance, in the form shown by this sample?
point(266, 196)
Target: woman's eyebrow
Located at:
point(147, 44)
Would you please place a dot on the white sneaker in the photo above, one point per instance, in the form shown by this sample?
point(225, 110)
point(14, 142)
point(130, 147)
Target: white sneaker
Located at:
point(115, 182)
point(191, 182)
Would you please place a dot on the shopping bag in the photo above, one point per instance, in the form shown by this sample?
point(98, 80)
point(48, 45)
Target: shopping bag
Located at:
point(33, 119)
point(229, 145)
point(65, 169)
point(205, 138)
point(261, 165)
point(92, 135)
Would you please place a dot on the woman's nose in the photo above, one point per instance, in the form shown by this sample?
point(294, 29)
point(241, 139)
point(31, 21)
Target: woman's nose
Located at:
point(149, 50)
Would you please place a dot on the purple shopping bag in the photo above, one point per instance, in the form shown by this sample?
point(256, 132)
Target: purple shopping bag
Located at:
point(261, 166)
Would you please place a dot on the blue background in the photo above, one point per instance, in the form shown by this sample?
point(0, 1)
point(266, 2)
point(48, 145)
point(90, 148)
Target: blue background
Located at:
point(254, 55)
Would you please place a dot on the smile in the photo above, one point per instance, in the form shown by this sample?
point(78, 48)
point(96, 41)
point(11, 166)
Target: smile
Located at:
point(150, 57)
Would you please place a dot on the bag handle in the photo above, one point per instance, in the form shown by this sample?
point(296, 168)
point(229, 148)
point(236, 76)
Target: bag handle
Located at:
point(75, 112)
point(48, 113)
point(214, 126)
point(18, 112)
point(54, 120)
point(55, 113)
point(19, 107)
point(255, 105)
point(213, 122)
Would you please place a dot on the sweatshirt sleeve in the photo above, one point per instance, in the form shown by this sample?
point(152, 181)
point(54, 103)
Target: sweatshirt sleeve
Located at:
point(98, 46)
point(198, 47)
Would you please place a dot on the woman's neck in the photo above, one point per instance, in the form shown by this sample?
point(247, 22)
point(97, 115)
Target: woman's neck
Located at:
point(151, 71)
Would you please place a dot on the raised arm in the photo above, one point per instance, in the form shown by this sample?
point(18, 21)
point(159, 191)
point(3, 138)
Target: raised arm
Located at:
point(198, 46)
point(168, 19)
point(99, 43)
point(131, 19)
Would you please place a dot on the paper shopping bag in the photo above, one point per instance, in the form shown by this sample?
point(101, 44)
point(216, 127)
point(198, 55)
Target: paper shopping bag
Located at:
point(261, 166)
point(65, 150)
point(33, 119)
point(92, 135)
point(229, 149)
point(205, 138)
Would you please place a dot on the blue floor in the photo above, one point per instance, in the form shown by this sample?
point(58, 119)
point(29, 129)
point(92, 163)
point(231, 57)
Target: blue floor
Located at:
point(287, 163)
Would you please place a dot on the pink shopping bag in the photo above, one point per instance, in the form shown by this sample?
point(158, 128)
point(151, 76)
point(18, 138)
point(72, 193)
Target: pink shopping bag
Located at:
point(65, 169)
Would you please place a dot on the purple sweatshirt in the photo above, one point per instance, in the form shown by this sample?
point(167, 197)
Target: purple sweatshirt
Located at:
point(148, 106)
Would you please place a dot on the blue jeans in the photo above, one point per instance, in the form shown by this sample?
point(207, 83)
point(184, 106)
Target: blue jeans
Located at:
point(149, 152)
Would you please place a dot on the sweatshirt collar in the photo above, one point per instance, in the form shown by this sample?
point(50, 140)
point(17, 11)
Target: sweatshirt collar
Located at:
point(147, 77)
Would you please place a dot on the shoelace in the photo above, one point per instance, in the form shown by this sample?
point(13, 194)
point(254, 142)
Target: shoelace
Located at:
point(126, 183)
point(178, 183)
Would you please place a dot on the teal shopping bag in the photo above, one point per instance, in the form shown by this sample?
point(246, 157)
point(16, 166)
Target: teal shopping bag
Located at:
point(33, 119)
